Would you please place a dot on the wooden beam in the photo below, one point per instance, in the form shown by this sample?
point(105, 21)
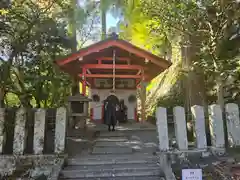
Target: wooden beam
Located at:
point(138, 83)
point(95, 48)
point(88, 71)
point(87, 83)
point(110, 76)
point(84, 84)
point(100, 59)
point(143, 74)
point(120, 44)
point(110, 66)
point(139, 72)
point(110, 58)
point(141, 53)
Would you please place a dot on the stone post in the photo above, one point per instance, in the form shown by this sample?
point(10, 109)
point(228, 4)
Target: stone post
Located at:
point(180, 127)
point(60, 130)
point(85, 108)
point(199, 126)
point(39, 127)
point(233, 124)
point(216, 126)
point(70, 123)
point(86, 112)
point(19, 132)
point(162, 127)
point(2, 118)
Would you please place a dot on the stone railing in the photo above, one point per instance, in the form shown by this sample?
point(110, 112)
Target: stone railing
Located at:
point(216, 127)
point(33, 137)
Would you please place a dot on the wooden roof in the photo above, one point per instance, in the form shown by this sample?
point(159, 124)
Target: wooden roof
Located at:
point(72, 63)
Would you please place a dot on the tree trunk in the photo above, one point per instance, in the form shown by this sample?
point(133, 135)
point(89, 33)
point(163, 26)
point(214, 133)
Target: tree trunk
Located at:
point(104, 22)
point(25, 102)
point(194, 81)
point(2, 94)
point(73, 27)
point(75, 86)
point(38, 103)
point(220, 93)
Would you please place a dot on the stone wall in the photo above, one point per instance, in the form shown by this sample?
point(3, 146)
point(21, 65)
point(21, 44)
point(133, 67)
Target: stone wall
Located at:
point(188, 153)
point(215, 124)
point(32, 143)
point(30, 167)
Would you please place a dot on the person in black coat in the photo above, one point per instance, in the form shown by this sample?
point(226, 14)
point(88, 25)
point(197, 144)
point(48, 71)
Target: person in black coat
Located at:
point(112, 106)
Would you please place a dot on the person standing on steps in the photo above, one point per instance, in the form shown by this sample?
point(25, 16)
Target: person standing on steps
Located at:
point(112, 106)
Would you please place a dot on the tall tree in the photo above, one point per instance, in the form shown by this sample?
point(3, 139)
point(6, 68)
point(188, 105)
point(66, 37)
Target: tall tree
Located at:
point(82, 27)
point(29, 31)
point(104, 4)
point(35, 34)
point(113, 6)
point(205, 29)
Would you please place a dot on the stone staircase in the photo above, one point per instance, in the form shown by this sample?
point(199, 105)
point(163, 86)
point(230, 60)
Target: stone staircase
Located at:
point(120, 155)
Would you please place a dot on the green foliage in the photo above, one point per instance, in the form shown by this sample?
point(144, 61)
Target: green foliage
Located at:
point(35, 37)
point(209, 26)
point(83, 22)
point(34, 34)
point(12, 100)
point(139, 28)
point(207, 30)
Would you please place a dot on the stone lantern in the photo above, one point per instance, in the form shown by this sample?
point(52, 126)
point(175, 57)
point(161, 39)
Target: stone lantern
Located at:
point(78, 109)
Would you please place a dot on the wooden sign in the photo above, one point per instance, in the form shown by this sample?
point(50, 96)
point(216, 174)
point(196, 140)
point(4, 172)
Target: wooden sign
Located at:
point(119, 83)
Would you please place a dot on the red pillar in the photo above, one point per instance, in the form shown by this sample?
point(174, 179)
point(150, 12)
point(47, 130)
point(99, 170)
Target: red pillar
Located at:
point(143, 98)
point(84, 83)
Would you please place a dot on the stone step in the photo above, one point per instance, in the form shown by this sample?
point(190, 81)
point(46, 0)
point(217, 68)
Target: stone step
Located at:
point(116, 134)
point(125, 130)
point(137, 155)
point(111, 139)
point(112, 150)
point(80, 163)
point(109, 169)
point(115, 173)
point(111, 166)
point(104, 159)
point(117, 143)
point(118, 178)
point(112, 157)
point(123, 143)
point(121, 149)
